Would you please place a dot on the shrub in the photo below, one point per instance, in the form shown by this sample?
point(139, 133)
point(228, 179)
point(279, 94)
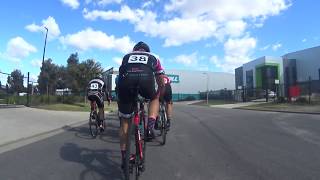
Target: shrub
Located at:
point(281, 99)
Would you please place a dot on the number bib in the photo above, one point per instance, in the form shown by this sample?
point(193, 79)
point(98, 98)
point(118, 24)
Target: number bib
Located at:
point(143, 59)
point(94, 86)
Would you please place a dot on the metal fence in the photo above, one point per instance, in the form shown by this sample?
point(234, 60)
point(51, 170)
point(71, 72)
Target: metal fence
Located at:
point(308, 92)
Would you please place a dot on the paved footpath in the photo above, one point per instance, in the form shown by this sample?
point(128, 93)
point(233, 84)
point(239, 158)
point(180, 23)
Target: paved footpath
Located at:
point(236, 105)
point(22, 125)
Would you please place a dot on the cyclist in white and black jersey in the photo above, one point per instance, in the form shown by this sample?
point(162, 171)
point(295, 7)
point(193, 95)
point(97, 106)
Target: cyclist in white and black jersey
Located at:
point(96, 92)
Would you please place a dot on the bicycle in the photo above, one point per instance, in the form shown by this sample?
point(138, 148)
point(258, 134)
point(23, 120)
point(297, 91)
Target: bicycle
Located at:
point(136, 146)
point(163, 121)
point(94, 121)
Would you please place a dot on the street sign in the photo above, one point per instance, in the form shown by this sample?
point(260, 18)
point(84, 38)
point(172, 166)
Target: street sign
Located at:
point(174, 78)
point(276, 81)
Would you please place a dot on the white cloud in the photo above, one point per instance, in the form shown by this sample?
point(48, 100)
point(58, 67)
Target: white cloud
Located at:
point(18, 48)
point(34, 78)
point(265, 48)
point(117, 60)
point(147, 4)
point(237, 52)
point(231, 28)
point(175, 31)
point(89, 38)
point(276, 46)
point(102, 3)
point(196, 20)
point(74, 4)
point(304, 40)
point(187, 60)
point(125, 13)
point(226, 10)
point(36, 63)
point(105, 2)
point(50, 23)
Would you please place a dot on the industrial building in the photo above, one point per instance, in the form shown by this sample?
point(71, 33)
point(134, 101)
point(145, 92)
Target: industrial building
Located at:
point(302, 70)
point(186, 84)
point(260, 74)
point(293, 74)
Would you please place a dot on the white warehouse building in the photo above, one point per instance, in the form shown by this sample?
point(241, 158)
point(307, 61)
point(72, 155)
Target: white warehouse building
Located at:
point(187, 83)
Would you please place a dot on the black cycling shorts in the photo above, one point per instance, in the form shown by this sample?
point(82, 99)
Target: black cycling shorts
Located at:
point(130, 85)
point(167, 96)
point(97, 97)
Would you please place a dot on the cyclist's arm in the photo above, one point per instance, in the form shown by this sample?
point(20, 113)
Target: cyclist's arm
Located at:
point(159, 72)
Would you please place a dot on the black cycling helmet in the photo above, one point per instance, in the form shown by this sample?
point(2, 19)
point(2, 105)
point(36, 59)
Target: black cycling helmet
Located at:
point(141, 46)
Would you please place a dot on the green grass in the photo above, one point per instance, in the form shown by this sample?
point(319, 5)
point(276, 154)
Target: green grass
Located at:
point(76, 107)
point(214, 102)
point(288, 107)
point(3, 101)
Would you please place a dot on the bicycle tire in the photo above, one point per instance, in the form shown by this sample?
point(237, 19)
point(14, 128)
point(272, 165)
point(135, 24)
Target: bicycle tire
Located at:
point(143, 136)
point(163, 125)
point(129, 168)
point(93, 125)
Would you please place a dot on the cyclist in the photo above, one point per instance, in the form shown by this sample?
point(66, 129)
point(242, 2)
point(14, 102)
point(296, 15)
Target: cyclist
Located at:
point(96, 92)
point(166, 96)
point(139, 68)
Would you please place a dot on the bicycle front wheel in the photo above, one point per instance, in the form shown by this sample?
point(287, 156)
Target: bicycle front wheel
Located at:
point(93, 124)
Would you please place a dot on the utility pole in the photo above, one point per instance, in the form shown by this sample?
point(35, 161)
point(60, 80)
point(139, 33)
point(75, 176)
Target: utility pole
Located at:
point(44, 52)
point(45, 44)
point(28, 90)
point(207, 87)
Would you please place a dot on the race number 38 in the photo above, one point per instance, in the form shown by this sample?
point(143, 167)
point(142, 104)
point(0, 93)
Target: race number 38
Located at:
point(138, 59)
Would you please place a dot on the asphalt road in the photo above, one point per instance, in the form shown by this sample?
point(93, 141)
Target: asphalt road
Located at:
point(203, 144)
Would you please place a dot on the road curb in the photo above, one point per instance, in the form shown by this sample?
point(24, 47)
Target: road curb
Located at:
point(281, 111)
point(10, 106)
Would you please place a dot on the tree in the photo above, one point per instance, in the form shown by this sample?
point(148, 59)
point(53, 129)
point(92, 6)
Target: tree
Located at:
point(48, 77)
point(15, 81)
point(61, 77)
point(73, 59)
point(89, 69)
point(73, 73)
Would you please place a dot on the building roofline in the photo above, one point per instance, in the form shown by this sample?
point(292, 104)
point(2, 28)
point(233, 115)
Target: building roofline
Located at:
point(301, 50)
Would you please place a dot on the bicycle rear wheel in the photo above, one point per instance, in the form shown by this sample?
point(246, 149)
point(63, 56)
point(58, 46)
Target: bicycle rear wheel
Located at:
point(93, 123)
point(143, 134)
point(163, 128)
point(130, 167)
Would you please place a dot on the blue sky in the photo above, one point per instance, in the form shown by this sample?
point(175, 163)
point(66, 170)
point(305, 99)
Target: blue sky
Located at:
point(210, 35)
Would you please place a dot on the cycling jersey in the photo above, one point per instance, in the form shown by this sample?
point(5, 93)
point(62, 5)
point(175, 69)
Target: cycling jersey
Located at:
point(137, 75)
point(166, 80)
point(137, 58)
point(96, 89)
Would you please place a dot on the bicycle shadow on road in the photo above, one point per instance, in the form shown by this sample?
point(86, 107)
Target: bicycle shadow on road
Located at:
point(81, 132)
point(100, 163)
point(111, 133)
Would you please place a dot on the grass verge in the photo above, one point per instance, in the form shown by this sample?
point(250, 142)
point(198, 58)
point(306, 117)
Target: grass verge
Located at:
point(84, 107)
point(285, 107)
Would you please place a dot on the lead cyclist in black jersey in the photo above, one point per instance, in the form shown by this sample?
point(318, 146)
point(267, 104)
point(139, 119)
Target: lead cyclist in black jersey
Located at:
point(139, 70)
